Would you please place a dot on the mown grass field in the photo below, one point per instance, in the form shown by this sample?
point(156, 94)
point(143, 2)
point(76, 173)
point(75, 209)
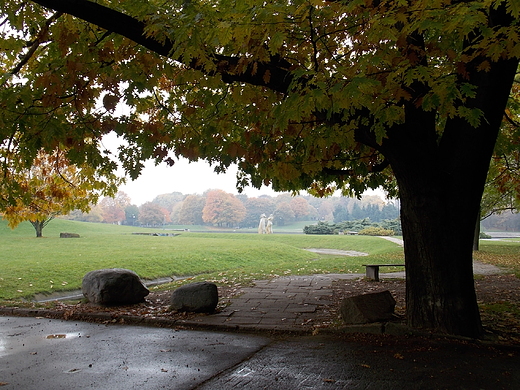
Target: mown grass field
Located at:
point(50, 264)
point(31, 265)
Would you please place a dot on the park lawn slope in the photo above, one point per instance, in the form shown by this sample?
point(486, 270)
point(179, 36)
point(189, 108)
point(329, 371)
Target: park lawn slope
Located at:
point(49, 264)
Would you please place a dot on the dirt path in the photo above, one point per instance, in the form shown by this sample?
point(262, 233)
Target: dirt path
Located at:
point(336, 252)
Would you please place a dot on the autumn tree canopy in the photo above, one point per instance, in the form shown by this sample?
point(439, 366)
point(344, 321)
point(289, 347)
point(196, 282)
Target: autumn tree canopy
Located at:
point(50, 187)
point(190, 212)
point(307, 94)
point(113, 207)
point(151, 214)
point(223, 209)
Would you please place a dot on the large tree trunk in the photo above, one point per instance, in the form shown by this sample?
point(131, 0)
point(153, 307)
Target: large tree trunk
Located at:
point(439, 208)
point(438, 252)
point(441, 180)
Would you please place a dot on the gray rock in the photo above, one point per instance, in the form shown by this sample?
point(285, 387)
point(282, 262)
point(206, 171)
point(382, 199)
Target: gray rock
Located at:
point(200, 297)
point(366, 308)
point(114, 286)
point(69, 235)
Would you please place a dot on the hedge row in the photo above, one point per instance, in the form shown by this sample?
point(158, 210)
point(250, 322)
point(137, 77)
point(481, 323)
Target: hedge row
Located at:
point(360, 226)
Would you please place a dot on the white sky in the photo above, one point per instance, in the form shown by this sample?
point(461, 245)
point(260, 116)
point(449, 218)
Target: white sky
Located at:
point(185, 177)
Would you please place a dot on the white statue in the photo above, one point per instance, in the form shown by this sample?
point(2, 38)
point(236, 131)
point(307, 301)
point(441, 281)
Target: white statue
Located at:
point(261, 226)
point(269, 228)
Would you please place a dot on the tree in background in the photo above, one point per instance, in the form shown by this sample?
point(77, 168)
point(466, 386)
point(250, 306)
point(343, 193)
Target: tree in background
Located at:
point(50, 187)
point(151, 214)
point(168, 201)
point(175, 213)
point(113, 208)
point(326, 210)
point(223, 209)
point(190, 212)
point(255, 207)
point(307, 94)
point(374, 211)
point(340, 213)
point(131, 214)
point(283, 214)
point(300, 208)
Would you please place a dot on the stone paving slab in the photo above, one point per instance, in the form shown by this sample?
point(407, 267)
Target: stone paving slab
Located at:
point(283, 303)
point(286, 302)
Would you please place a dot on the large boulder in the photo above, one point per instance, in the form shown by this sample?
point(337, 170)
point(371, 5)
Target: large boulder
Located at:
point(366, 308)
point(113, 286)
point(199, 297)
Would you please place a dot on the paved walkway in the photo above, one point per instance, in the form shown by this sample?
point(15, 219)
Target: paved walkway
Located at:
point(289, 303)
point(294, 303)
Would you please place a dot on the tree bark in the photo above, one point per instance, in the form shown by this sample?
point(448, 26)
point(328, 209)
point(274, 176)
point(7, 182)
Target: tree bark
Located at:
point(476, 234)
point(38, 227)
point(438, 252)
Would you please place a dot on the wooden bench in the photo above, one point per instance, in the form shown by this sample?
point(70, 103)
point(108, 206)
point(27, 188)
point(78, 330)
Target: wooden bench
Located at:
point(372, 270)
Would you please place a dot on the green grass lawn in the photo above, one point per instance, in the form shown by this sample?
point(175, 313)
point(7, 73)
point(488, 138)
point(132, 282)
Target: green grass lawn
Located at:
point(504, 253)
point(33, 265)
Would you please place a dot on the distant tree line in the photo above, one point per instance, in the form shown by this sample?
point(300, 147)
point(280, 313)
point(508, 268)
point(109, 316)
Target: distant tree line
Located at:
point(221, 209)
point(508, 221)
point(353, 211)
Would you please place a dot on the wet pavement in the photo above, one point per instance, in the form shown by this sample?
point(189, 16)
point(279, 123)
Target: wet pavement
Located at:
point(39, 353)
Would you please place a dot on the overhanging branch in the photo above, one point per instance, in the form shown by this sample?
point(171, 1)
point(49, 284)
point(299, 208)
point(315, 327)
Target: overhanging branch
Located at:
point(350, 172)
point(273, 74)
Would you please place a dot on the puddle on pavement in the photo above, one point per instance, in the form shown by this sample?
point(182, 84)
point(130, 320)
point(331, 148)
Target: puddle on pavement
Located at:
point(63, 336)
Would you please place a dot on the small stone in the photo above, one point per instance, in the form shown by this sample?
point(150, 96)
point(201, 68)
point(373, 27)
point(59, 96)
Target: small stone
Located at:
point(200, 297)
point(366, 308)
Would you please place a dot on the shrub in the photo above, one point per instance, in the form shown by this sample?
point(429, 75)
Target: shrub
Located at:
point(484, 235)
point(387, 227)
point(376, 231)
point(320, 228)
